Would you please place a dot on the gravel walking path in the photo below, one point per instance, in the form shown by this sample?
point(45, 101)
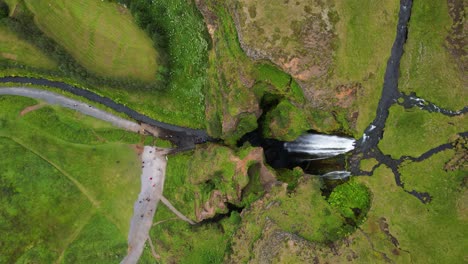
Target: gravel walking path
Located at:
point(57, 99)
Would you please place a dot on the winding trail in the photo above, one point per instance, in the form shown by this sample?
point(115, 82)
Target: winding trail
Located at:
point(183, 137)
point(57, 99)
point(154, 164)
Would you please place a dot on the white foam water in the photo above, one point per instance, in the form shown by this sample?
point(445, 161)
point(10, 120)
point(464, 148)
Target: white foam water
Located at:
point(321, 146)
point(336, 175)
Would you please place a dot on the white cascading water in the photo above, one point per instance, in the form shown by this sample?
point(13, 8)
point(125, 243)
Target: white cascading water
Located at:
point(320, 146)
point(336, 175)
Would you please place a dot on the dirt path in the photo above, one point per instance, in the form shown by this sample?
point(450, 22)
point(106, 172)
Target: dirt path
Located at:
point(152, 183)
point(31, 108)
point(54, 98)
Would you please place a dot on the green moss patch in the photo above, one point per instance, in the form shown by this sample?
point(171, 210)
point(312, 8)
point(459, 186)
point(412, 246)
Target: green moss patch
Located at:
point(285, 122)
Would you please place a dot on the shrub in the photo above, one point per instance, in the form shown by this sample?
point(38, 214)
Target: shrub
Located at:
point(352, 200)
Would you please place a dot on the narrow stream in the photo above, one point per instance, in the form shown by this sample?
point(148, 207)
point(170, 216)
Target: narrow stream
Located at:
point(181, 136)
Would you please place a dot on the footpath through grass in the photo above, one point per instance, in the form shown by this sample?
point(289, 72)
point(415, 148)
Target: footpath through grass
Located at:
point(70, 182)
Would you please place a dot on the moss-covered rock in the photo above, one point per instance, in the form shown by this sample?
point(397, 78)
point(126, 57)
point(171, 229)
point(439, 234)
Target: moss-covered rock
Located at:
point(304, 213)
point(220, 176)
point(285, 122)
point(352, 199)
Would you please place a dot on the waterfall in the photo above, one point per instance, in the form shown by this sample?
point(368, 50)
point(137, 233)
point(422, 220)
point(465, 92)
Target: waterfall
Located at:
point(320, 146)
point(336, 175)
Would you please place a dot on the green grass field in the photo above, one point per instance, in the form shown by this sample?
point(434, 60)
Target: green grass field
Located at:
point(427, 67)
point(77, 172)
point(366, 31)
point(13, 49)
point(99, 35)
point(428, 233)
point(412, 132)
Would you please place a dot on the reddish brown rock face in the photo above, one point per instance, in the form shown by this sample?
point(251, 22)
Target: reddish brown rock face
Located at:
point(298, 38)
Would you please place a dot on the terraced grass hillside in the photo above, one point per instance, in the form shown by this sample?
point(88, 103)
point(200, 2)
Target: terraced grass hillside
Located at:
point(100, 35)
point(137, 54)
point(68, 185)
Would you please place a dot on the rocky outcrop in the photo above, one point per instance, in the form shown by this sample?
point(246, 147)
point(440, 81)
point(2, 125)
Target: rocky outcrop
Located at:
point(220, 176)
point(301, 44)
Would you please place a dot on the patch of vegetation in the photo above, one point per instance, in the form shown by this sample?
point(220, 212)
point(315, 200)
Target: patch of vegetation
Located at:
point(305, 212)
point(426, 54)
point(285, 122)
point(33, 190)
point(277, 82)
point(72, 126)
point(99, 241)
point(352, 199)
point(181, 102)
point(412, 132)
point(367, 164)
point(213, 179)
point(291, 177)
point(186, 49)
point(4, 10)
point(177, 242)
point(321, 120)
point(236, 84)
point(288, 43)
point(403, 228)
point(254, 189)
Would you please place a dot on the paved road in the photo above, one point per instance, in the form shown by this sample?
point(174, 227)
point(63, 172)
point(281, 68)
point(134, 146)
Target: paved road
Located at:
point(54, 98)
point(152, 183)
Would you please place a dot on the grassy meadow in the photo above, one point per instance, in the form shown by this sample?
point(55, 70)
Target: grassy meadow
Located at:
point(77, 172)
point(411, 132)
point(426, 54)
point(17, 51)
point(426, 233)
point(366, 31)
point(100, 35)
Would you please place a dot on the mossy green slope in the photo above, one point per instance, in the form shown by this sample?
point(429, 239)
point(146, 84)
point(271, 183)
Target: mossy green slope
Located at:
point(99, 35)
point(16, 51)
